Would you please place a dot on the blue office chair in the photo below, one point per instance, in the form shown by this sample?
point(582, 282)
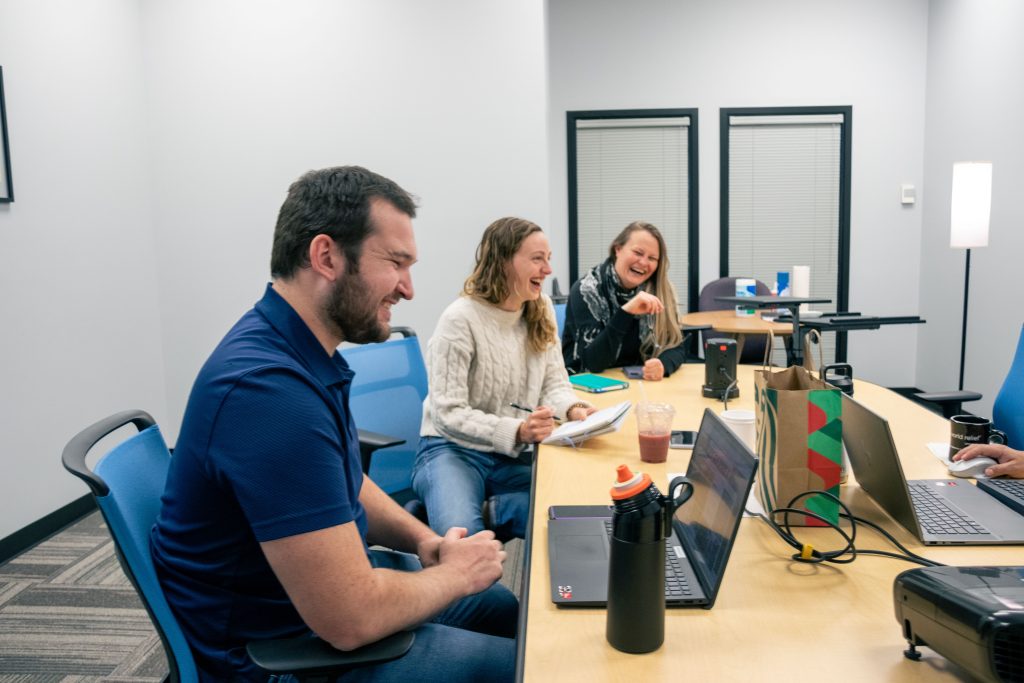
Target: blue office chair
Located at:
point(387, 399)
point(127, 483)
point(560, 318)
point(1008, 409)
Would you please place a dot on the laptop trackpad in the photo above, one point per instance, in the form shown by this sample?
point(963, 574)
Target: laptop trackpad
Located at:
point(582, 549)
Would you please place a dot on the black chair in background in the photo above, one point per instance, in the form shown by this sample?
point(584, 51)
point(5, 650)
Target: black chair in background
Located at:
point(753, 347)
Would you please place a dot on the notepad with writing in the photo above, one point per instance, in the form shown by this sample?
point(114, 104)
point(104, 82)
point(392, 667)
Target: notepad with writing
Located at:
point(597, 423)
point(596, 384)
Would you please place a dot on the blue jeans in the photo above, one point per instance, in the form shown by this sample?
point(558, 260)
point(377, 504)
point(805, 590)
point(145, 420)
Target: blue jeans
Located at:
point(472, 640)
point(453, 482)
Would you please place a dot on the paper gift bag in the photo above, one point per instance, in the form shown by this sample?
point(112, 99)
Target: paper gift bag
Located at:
point(799, 440)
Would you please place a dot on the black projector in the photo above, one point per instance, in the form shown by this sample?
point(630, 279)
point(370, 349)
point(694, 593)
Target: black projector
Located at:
point(972, 616)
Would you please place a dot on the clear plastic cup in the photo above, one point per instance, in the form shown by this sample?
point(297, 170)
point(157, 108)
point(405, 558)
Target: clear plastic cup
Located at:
point(654, 426)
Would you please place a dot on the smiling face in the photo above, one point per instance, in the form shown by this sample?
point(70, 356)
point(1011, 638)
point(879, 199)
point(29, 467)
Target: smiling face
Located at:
point(359, 305)
point(637, 259)
point(527, 269)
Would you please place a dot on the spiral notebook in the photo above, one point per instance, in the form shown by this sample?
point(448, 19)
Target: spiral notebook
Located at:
point(703, 529)
point(597, 423)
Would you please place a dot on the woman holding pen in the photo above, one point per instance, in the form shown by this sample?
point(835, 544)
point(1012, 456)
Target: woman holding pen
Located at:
point(494, 346)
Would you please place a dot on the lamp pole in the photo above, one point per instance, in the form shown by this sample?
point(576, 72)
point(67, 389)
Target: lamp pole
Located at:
point(963, 333)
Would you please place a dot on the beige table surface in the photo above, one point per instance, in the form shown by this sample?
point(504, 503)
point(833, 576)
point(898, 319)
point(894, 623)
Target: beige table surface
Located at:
point(729, 322)
point(775, 619)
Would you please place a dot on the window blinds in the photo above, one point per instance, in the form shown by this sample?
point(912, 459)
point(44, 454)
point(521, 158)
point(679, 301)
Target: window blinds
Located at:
point(628, 170)
point(784, 190)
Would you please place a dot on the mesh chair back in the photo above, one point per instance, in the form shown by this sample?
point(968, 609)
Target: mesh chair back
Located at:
point(127, 483)
point(387, 397)
point(753, 347)
point(1008, 409)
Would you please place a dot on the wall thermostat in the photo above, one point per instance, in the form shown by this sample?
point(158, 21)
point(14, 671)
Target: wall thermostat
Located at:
point(908, 194)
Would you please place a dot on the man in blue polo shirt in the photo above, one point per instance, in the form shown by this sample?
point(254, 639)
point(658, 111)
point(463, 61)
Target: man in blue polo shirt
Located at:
point(267, 517)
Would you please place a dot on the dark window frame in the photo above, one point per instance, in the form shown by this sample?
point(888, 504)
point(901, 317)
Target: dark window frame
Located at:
point(845, 150)
point(693, 226)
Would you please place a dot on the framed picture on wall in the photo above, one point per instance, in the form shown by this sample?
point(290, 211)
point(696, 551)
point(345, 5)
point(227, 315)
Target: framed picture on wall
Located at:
point(6, 186)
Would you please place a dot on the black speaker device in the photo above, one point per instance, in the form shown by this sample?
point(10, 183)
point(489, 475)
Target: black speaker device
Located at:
point(720, 369)
point(972, 616)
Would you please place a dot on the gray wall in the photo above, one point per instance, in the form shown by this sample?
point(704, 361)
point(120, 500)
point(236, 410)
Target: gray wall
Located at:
point(81, 333)
point(871, 55)
point(975, 99)
point(153, 141)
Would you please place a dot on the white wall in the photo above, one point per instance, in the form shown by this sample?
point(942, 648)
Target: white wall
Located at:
point(80, 335)
point(446, 98)
point(606, 54)
point(975, 66)
point(153, 142)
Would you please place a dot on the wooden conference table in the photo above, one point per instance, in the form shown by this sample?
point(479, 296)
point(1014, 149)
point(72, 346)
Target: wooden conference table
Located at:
point(728, 322)
point(775, 619)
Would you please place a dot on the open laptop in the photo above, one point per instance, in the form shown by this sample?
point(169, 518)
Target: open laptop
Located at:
point(937, 511)
point(703, 529)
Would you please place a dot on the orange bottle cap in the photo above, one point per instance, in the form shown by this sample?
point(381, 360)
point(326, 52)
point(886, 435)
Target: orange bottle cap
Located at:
point(628, 484)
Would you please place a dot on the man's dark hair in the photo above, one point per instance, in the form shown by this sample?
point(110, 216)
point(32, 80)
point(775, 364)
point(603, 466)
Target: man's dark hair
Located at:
point(334, 202)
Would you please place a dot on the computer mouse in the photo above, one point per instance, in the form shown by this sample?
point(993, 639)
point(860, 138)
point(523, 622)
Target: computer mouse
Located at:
point(975, 467)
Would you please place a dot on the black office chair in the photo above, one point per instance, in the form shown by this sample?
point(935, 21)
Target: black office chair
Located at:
point(557, 297)
point(127, 483)
point(753, 347)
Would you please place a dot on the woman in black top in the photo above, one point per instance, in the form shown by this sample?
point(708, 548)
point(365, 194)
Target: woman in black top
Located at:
point(623, 312)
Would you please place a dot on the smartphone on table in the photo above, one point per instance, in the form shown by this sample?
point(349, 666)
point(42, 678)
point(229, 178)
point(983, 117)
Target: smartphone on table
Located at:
point(682, 439)
point(633, 371)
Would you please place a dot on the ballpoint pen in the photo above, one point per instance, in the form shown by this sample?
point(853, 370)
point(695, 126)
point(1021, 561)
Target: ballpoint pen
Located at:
point(530, 410)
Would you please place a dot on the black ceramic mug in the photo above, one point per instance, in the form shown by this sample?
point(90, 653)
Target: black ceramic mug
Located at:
point(965, 430)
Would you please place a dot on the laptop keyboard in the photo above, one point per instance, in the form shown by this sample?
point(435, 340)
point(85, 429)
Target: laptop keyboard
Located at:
point(1009, 492)
point(937, 517)
point(676, 585)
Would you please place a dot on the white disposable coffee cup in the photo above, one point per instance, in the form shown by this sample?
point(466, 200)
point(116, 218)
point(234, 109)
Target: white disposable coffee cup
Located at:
point(742, 422)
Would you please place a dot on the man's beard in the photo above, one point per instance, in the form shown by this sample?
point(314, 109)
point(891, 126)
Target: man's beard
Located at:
point(355, 317)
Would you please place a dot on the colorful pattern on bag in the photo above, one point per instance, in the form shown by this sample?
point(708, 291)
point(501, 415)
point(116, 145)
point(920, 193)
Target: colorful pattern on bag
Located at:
point(824, 451)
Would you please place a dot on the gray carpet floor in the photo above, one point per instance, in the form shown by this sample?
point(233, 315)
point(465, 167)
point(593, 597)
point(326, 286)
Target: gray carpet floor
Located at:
point(68, 614)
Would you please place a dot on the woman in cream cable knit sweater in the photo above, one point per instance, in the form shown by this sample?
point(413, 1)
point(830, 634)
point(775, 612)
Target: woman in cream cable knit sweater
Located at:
point(494, 346)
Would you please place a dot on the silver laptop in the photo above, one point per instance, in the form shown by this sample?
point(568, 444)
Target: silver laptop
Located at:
point(721, 470)
point(937, 511)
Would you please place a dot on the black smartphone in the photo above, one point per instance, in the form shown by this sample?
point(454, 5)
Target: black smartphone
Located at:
point(682, 439)
point(634, 371)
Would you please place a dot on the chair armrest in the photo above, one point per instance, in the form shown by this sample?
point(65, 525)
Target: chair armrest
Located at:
point(373, 441)
point(309, 655)
point(949, 401)
point(949, 396)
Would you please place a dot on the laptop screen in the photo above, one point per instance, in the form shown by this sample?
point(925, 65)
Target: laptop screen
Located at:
point(721, 470)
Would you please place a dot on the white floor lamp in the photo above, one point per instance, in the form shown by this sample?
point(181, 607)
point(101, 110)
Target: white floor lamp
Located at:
point(968, 223)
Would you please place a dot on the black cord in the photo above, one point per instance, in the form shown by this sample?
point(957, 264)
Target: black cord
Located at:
point(848, 553)
point(728, 389)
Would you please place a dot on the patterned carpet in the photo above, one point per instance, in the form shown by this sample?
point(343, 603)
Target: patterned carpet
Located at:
point(69, 615)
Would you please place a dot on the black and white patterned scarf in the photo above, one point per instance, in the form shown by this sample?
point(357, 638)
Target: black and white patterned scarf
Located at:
point(602, 293)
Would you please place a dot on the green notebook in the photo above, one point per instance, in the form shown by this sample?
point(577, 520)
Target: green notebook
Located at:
point(596, 384)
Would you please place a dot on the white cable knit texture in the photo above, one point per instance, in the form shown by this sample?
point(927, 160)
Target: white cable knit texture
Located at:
point(478, 362)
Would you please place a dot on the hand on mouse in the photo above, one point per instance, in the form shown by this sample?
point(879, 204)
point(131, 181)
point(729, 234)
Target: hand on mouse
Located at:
point(1010, 461)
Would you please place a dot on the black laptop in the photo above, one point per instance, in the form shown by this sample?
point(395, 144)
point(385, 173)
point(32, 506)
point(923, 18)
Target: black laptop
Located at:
point(721, 470)
point(937, 511)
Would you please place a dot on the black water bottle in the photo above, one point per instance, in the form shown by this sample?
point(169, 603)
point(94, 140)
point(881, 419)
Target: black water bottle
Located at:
point(641, 521)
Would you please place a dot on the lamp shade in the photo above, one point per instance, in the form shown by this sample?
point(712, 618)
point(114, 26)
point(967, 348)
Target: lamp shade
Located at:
point(971, 205)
